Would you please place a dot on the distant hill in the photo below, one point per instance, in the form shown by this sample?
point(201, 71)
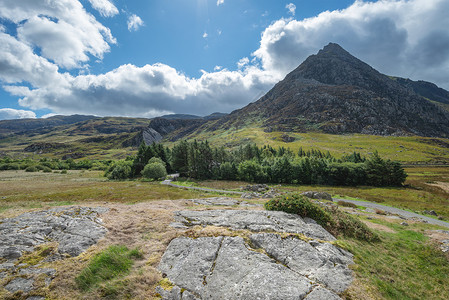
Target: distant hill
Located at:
point(25, 125)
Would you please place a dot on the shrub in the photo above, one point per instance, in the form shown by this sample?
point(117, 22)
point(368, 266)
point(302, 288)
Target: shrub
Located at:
point(64, 171)
point(346, 204)
point(154, 171)
point(349, 226)
point(298, 204)
point(46, 169)
point(157, 160)
point(119, 170)
point(31, 169)
point(332, 219)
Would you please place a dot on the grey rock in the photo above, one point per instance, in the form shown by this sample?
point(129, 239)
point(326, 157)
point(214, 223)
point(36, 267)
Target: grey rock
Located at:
point(20, 284)
point(176, 293)
point(404, 223)
point(74, 228)
point(370, 210)
point(322, 262)
point(254, 220)
point(320, 293)
point(251, 195)
point(178, 225)
point(430, 212)
point(317, 195)
point(225, 268)
point(36, 298)
point(3, 275)
point(217, 201)
point(186, 262)
point(259, 188)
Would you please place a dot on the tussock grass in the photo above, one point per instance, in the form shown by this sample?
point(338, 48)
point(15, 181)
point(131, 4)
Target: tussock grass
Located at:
point(114, 262)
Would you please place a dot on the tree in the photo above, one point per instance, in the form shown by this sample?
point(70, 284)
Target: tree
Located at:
point(180, 158)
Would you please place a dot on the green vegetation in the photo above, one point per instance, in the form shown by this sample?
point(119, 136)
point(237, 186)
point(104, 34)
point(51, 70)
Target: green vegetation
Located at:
point(332, 219)
point(404, 265)
point(154, 170)
point(253, 164)
point(112, 263)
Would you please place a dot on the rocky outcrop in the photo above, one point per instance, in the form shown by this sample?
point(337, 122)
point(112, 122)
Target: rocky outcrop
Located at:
point(255, 221)
point(317, 195)
point(258, 266)
point(73, 230)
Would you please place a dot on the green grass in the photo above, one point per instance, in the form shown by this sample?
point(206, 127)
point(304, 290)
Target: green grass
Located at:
point(114, 262)
point(404, 265)
point(405, 149)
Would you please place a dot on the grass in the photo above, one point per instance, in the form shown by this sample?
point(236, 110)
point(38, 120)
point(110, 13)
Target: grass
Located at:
point(404, 265)
point(37, 190)
point(405, 149)
point(112, 263)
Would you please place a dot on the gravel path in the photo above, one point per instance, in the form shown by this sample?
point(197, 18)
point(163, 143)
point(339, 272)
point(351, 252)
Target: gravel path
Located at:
point(169, 182)
point(394, 210)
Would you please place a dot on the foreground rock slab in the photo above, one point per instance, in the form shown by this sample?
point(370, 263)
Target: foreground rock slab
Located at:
point(259, 265)
point(72, 230)
point(255, 221)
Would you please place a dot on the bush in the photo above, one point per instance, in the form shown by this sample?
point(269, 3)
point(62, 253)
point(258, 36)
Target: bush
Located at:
point(64, 171)
point(31, 169)
point(157, 160)
point(349, 226)
point(298, 204)
point(119, 170)
point(154, 170)
point(346, 204)
point(46, 169)
point(333, 220)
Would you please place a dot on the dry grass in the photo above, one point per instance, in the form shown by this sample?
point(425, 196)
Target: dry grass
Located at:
point(21, 191)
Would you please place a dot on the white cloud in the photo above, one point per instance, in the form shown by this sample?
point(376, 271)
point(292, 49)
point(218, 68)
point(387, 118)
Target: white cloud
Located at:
point(219, 31)
point(134, 23)
point(105, 7)
point(404, 38)
point(242, 62)
point(291, 8)
point(205, 35)
point(10, 113)
point(220, 2)
point(62, 29)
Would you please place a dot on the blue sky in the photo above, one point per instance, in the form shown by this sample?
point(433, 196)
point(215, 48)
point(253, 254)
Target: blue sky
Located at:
point(149, 58)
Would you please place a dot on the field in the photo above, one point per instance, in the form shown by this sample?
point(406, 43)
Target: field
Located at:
point(405, 264)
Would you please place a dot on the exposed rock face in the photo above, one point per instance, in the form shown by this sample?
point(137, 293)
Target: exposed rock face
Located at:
point(264, 266)
point(255, 221)
point(74, 229)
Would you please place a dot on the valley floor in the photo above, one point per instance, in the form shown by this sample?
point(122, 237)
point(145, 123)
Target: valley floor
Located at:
point(407, 264)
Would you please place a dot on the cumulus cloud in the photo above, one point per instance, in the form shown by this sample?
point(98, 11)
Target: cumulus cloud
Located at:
point(10, 113)
point(291, 8)
point(205, 35)
point(220, 2)
point(134, 23)
point(405, 38)
point(105, 7)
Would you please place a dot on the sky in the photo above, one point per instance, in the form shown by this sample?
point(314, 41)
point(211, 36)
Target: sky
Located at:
point(149, 58)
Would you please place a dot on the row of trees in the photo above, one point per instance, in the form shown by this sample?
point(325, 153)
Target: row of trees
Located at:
point(263, 164)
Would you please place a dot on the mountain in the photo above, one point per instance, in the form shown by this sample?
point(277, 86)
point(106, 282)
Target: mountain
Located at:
point(26, 125)
point(334, 92)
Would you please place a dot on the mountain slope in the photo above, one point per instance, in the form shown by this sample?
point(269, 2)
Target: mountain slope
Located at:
point(334, 92)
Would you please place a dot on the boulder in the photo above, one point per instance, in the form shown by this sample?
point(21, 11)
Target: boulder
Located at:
point(317, 195)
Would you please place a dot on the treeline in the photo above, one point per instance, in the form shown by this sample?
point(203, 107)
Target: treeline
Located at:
point(52, 164)
point(263, 165)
